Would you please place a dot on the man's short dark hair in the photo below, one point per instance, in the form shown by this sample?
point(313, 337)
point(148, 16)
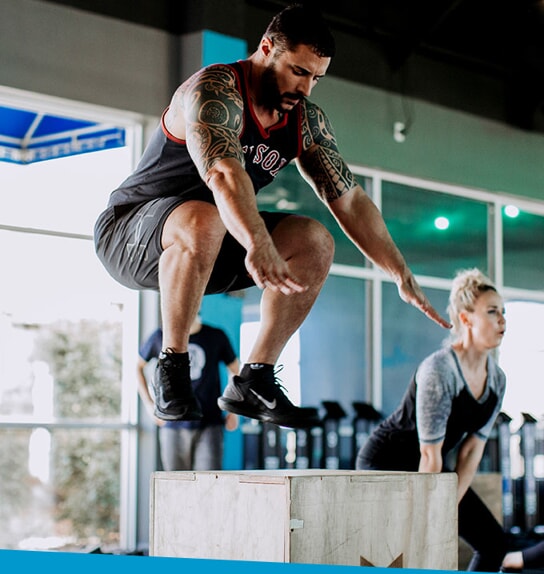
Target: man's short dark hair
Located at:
point(298, 24)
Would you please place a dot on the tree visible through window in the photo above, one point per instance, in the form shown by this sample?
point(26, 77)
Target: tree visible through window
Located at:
point(85, 362)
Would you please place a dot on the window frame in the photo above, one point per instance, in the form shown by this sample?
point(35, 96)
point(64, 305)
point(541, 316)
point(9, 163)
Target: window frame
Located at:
point(495, 201)
point(130, 479)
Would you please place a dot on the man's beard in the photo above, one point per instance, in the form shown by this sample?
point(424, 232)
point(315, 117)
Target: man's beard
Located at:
point(272, 97)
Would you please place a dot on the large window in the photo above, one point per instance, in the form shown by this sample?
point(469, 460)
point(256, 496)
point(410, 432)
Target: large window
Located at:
point(291, 194)
point(438, 233)
point(522, 358)
point(407, 338)
point(334, 357)
point(67, 406)
point(523, 241)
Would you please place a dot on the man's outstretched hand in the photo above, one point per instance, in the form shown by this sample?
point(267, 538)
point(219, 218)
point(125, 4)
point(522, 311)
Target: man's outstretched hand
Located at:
point(411, 292)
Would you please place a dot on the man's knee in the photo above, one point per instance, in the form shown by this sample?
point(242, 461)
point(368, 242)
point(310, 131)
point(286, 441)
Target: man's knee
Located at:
point(306, 236)
point(194, 233)
point(322, 237)
point(195, 224)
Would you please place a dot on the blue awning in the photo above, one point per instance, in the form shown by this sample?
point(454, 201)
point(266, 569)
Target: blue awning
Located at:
point(28, 136)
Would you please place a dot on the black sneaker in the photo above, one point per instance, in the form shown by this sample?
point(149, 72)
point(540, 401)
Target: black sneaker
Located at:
point(262, 398)
point(174, 397)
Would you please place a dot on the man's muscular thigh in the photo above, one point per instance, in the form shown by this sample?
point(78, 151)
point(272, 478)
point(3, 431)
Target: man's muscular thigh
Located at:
point(194, 225)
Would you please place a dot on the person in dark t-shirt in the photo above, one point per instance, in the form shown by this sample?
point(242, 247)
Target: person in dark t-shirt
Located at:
point(195, 444)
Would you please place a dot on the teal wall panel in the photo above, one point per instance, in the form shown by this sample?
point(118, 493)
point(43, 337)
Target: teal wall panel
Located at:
point(218, 48)
point(442, 144)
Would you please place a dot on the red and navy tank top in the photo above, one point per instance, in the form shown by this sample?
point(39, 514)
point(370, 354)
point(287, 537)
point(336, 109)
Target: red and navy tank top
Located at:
point(166, 168)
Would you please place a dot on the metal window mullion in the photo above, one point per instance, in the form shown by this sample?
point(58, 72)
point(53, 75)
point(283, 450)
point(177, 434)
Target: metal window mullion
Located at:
point(376, 346)
point(60, 425)
point(497, 246)
point(128, 501)
point(375, 339)
point(131, 479)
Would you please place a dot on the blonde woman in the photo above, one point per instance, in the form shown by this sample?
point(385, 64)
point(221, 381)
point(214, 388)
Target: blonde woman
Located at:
point(450, 406)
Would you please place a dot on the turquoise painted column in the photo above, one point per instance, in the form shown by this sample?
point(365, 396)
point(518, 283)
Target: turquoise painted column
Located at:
point(220, 49)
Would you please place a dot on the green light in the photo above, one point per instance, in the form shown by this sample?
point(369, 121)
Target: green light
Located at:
point(442, 223)
point(511, 211)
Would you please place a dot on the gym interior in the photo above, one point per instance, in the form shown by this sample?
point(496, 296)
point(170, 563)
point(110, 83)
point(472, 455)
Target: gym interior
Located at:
point(443, 126)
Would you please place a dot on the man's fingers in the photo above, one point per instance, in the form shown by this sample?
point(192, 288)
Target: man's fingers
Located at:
point(286, 286)
point(294, 285)
point(270, 271)
point(432, 314)
point(417, 298)
point(278, 280)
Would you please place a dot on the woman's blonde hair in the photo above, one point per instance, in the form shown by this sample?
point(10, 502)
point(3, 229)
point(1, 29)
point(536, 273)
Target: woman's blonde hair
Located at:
point(468, 285)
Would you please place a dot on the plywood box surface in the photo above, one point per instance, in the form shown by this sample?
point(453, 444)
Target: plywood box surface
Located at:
point(307, 516)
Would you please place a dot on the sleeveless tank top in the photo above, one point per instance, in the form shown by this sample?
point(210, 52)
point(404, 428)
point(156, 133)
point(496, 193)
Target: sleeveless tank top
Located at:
point(166, 168)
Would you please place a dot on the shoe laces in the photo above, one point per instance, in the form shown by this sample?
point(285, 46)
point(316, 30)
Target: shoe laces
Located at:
point(169, 360)
point(277, 381)
point(173, 371)
point(169, 355)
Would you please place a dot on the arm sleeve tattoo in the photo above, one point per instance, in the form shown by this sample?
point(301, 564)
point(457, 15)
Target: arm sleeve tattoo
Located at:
point(321, 163)
point(214, 114)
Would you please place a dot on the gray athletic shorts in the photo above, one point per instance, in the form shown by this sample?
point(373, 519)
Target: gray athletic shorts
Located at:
point(128, 243)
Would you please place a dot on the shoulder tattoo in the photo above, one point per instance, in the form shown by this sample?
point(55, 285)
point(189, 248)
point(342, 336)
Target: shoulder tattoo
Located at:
point(214, 112)
point(320, 159)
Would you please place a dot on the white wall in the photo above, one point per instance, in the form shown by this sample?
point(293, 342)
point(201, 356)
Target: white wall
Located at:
point(64, 52)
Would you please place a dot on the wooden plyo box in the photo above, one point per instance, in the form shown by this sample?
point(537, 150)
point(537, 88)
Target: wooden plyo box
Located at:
point(307, 516)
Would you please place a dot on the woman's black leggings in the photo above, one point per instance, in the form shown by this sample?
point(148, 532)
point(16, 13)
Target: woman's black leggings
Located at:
point(480, 529)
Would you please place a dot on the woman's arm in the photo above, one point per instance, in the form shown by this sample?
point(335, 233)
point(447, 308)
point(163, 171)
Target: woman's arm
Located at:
point(431, 457)
point(468, 460)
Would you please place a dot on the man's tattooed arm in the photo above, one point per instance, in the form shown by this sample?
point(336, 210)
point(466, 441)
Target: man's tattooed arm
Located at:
point(213, 110)
point(320, 162)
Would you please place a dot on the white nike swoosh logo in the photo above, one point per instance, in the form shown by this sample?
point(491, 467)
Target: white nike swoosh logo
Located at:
point(268, 404)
